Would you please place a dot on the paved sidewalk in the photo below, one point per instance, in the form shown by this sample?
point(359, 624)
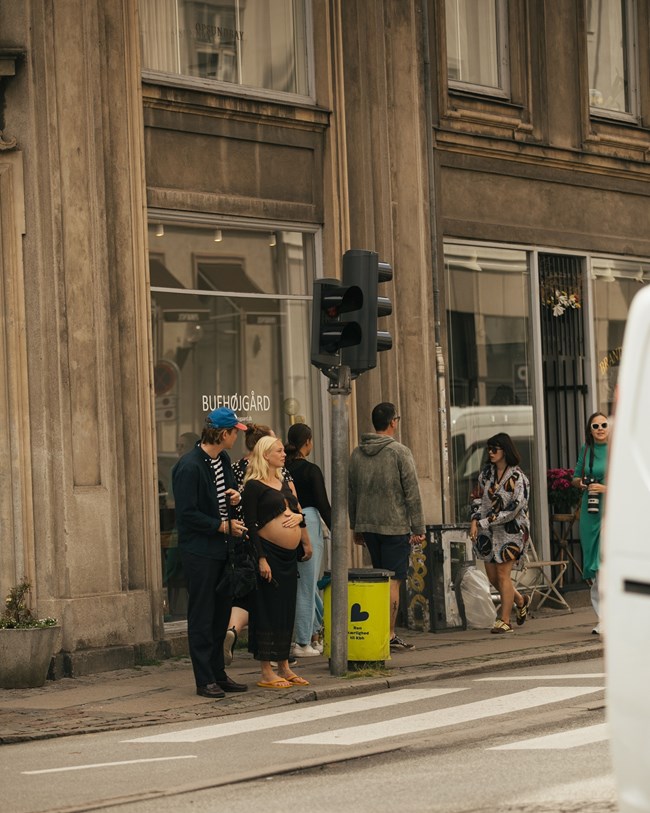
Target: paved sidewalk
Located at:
point(165, 693)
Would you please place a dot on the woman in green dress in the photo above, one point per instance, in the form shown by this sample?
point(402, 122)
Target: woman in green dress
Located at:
point(590, 472)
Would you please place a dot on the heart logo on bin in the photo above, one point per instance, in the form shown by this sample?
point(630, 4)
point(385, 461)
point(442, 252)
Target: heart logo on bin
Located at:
point(357, 614)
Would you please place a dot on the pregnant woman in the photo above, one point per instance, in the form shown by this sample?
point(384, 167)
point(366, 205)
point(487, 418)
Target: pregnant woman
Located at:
point(276, 527)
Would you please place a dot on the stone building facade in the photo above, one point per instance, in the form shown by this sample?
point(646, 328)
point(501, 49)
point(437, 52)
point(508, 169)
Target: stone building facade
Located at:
point(174, 174)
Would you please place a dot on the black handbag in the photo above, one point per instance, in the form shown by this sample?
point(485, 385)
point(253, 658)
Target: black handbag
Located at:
point(240, 574)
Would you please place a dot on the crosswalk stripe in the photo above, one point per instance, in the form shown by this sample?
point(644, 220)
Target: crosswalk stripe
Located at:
point(305, 714)
point(440, 718)
point(598, 675)
point(92, 765)
point(562, 739)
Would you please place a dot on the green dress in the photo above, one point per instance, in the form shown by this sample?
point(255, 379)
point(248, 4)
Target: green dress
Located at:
point(590, 523)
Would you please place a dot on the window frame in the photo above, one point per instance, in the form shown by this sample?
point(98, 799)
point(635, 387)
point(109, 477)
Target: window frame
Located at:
point(223, 88)
point(631, 63)
point(503, 90)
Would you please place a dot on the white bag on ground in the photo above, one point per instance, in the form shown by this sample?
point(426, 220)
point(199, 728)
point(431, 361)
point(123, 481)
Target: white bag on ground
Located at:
point(480, 611)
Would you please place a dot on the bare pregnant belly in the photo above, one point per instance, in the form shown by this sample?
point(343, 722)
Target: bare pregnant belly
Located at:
point(282, 537)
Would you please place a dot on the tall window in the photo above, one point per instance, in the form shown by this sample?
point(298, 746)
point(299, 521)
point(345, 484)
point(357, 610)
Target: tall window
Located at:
point(477, 45)
point(615, 283)
point(611, 50)
point(230, 327)
point(254, 43)
point(489, 358)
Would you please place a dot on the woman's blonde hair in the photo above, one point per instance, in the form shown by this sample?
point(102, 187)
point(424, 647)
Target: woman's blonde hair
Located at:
point(258, 466)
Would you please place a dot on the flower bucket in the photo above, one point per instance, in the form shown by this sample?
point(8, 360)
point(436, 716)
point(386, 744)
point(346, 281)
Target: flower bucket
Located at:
point(25, 656)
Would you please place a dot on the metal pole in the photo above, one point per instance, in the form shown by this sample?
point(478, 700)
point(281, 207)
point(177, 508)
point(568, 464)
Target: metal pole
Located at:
point(340, 388)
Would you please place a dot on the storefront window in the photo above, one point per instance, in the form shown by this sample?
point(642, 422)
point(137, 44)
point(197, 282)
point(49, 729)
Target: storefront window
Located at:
point(254, 43)
point(615, 283)
point(488, 328)
point(230, 323)
point(477, 52)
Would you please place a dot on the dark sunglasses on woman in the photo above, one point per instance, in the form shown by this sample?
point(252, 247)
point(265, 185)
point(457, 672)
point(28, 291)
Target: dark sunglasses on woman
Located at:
point(494, 449)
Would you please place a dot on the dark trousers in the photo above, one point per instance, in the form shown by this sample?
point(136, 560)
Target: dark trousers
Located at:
point(208, 613)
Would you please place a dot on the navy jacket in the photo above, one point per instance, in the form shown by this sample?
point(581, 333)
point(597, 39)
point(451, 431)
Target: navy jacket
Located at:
point(197, 505)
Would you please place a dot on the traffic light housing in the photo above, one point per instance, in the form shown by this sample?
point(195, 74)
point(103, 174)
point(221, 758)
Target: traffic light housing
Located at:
point(329, 332)
point(362, 269)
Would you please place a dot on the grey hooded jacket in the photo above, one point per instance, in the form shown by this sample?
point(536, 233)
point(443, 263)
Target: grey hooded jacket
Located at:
point(383, 491)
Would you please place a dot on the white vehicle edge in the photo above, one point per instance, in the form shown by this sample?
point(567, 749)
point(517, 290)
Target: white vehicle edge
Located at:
point(625, 575)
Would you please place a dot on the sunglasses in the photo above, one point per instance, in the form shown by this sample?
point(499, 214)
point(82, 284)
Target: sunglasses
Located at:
point(599, 425)
point(494, 449)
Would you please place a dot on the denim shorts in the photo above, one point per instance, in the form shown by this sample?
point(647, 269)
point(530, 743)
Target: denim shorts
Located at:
point(389, 552)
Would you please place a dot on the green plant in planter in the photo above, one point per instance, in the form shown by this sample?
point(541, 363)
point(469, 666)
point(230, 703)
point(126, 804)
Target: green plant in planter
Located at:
point(27, 644)
point(17, 615)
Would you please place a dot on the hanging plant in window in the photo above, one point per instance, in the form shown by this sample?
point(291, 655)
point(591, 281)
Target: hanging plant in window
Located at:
point(561, 301)
point(560, 293)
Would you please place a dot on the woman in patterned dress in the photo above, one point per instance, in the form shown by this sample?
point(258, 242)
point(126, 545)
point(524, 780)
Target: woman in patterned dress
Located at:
point(500, 527)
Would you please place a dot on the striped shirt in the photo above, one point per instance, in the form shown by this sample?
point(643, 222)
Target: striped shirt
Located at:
point(220, 482)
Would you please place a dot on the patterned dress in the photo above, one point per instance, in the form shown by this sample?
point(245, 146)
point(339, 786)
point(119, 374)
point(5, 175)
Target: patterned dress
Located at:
point(501, 509)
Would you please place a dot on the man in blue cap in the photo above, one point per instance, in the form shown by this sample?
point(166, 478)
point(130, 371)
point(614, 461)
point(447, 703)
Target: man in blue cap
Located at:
point(204, 487)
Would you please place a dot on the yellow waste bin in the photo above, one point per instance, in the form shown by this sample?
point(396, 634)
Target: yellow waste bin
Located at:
point(368, 617)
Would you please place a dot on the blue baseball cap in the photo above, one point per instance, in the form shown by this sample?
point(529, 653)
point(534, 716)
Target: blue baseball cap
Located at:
point(224, 418)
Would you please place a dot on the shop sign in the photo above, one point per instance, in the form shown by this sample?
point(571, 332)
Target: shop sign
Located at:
point(262, 319)
point(242, 404)
point(612, 359)
point(165, 377)
point(190, 317)
point(165, 408)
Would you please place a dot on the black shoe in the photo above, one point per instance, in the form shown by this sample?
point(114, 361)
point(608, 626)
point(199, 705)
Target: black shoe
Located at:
point(397, 644)
point(229, 685)
point(211, 690)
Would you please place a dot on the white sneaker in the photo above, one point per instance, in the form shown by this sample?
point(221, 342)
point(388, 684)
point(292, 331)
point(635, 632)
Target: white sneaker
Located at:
point(306, 651)
point(318, 646)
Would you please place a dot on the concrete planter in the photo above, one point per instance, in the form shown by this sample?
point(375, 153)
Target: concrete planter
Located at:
point(25, 656)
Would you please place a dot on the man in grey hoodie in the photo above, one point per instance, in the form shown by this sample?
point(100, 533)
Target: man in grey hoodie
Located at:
point(384, 503)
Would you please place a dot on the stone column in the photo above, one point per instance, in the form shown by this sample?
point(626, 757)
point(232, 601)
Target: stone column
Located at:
point(76, 111)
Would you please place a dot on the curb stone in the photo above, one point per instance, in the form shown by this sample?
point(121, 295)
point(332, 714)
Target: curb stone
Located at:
point(24, 725)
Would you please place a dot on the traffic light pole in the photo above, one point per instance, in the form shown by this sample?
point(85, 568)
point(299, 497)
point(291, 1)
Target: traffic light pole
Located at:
point(339, 388)
point(344, 343)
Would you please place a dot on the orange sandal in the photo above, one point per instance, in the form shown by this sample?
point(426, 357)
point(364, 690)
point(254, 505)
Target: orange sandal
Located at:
point(296, 680)
point(278, 683)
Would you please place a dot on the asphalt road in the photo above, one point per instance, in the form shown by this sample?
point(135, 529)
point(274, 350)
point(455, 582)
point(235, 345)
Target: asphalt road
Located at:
point(529, 740)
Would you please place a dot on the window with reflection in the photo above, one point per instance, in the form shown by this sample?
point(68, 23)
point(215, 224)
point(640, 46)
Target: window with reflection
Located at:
point(611, 56)
point(488, 327)
point(230, 324)
point(477, 45)
point(615, 283)
point(253, 43)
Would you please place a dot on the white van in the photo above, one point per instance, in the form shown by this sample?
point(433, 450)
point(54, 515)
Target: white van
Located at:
point(470, 428)
point(626, 567)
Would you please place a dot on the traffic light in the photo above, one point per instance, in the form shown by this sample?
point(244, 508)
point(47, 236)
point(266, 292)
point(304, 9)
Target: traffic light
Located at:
point(329, 333)
point(362, 269)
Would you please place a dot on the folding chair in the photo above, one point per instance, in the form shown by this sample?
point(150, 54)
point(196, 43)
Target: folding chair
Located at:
point(546, 585)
